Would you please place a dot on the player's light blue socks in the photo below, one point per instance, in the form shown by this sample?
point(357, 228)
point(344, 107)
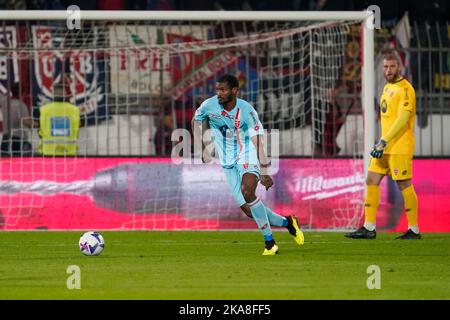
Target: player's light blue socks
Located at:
point(259, 214)
point(275, 219)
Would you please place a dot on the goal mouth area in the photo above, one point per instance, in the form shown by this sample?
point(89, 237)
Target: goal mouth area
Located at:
point(134, 66)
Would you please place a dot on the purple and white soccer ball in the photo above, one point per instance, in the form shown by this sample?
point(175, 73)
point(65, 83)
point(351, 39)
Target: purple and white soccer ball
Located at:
point(91, 243)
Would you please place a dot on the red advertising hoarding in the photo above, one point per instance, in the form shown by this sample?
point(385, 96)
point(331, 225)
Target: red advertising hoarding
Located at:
point(155, 194)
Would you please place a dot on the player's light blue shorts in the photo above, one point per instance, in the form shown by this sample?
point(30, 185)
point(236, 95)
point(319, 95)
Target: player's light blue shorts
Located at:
point(234, 178)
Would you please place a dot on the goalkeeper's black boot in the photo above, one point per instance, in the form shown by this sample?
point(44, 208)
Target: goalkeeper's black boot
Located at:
point(410, 235)
point(362, 233)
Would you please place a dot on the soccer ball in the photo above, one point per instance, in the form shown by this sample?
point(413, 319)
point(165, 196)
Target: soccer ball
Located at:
point(91, 243)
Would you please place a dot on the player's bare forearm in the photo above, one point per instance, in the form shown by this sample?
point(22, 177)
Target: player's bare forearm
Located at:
point(266, 179)
point(259, 145)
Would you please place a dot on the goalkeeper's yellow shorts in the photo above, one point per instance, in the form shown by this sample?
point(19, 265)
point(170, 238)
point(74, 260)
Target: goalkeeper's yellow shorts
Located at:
point(398, 166)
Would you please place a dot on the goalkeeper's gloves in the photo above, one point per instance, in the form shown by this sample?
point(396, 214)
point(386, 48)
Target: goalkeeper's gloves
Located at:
point(378, 149)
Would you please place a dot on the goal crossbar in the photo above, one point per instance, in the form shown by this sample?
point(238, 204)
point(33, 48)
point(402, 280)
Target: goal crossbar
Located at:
point(186, 15)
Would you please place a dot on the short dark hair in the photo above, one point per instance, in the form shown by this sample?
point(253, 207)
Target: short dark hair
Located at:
point(231, 80)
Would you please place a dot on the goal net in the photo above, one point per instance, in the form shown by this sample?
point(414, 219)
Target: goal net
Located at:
point(137, 80)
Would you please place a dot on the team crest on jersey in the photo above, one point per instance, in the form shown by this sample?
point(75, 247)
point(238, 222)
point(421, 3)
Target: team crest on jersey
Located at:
point(256, 128)
point(383, 106)
point(245, 165)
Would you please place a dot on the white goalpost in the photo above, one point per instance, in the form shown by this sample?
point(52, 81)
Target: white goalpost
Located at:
point(130, 72)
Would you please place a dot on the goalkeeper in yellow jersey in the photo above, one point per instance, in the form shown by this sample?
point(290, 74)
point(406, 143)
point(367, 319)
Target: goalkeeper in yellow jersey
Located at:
point(393, 154)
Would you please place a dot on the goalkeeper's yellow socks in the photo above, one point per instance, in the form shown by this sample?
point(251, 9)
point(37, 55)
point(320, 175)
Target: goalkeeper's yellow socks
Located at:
point(371, 206)
point(411, 207)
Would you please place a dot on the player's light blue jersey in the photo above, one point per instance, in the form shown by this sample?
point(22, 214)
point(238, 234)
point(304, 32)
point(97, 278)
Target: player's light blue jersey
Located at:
point(232, 131)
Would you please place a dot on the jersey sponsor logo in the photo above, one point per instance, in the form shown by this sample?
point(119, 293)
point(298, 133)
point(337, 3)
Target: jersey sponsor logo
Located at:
point(406, 104)
point(404, 172)
point(223, 130)
point(383, 106)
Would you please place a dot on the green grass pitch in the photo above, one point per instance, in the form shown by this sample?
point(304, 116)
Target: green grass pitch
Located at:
point(223, 265)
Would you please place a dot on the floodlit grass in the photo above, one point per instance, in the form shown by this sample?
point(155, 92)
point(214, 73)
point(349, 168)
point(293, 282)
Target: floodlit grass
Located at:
point(223, 265)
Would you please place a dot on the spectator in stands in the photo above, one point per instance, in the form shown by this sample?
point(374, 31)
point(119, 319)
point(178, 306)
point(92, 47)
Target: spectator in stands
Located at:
point(14, 140)
point(163, 136)
point(59, 123)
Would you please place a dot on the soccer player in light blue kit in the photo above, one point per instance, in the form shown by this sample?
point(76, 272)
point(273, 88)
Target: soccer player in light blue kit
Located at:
point(237, 135)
